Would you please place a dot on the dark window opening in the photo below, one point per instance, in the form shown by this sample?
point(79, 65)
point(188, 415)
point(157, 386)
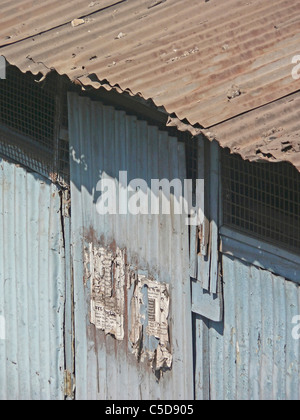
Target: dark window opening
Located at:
point(28, 107)
point(263, 200)
point(33, 126)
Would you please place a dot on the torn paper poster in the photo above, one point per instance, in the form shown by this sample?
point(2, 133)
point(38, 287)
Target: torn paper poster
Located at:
point(151, 318)
point(137, 318)
point(106, 271)
point(163, 358)
point(158, 310)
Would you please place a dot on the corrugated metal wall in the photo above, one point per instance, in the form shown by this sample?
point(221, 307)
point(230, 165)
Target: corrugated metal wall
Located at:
point(253, 355)
point(107, 141)
point(31, 287)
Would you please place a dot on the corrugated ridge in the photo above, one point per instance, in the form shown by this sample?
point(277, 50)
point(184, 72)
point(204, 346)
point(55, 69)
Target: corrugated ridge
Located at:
point(24, 18)
point(185, 57)
point(256, 356)
point(197, 89)
point(111, 141)
point(270, 133)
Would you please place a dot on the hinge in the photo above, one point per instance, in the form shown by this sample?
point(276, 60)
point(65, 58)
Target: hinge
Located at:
point(69, 386)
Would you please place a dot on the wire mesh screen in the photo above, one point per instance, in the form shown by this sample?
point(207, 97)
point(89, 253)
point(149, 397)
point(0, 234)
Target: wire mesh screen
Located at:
point(191, 147)
point(192, 157)
point(31, 118)
point(262, 199)
point(63, 158)
point(27, 107)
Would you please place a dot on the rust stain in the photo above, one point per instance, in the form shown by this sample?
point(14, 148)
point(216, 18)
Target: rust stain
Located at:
point(105, 293)
point(271, 133)
point(90, 236)
point(221, 61)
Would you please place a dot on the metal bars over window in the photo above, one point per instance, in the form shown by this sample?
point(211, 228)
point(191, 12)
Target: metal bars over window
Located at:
point(263, 200)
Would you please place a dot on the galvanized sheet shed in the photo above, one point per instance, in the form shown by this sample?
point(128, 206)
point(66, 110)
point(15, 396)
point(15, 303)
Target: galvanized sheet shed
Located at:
point(143, 306)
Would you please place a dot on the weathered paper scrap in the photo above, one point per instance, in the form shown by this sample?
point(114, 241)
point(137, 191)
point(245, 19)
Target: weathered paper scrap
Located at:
point(106, 272)
point(157, 309)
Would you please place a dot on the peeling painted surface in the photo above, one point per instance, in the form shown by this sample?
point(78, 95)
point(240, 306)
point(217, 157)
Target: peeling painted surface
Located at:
point(154, 323)
point(32, 287)
point(106, 272)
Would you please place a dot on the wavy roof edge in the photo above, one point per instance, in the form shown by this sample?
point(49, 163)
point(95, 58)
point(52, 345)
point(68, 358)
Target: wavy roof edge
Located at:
point(171, 67)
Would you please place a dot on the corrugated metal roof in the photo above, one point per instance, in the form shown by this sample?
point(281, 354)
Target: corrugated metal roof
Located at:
point(269, 133)
point(205, 62)
point(24, 18)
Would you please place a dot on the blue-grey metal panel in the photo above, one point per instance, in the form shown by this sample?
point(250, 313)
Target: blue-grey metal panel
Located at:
point(207, 296)
point(31, 286)
point(253, 355)
point(260, 254)
point(105, 140)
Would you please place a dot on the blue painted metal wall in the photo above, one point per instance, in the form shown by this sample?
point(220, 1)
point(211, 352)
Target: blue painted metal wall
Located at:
point(253, 354)
point(32, 290)
point(104, 142)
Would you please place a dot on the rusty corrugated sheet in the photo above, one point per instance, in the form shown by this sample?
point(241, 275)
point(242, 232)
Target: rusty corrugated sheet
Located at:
point(184, 55)
point(270, 133)
point(24, 18)
point(204, 62)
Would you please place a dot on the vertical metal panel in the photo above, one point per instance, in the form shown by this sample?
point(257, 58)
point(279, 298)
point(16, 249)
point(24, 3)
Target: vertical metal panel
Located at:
point(31, 286)
point(104, 142)
point(207, 296)
point(253, 355)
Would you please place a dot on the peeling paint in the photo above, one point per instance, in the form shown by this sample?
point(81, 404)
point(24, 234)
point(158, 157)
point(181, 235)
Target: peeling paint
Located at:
point(151, 319)
point(106, 271)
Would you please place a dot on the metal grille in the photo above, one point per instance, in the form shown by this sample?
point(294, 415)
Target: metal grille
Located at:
point(192, 157)
point(33, 123)
point(262, 199)
point(27, 107)
point(191, 148)
point(63, 158)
